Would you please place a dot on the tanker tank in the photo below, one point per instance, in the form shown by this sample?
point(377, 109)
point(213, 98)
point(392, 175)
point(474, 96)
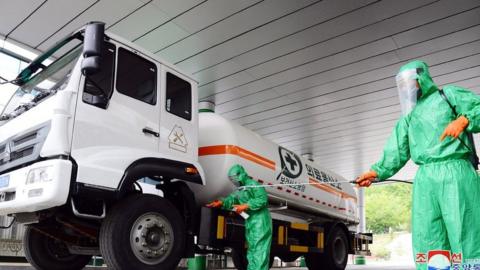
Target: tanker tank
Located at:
point(223, 143)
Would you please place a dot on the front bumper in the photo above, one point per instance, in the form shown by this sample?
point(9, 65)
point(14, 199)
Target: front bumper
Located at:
point(19, 197)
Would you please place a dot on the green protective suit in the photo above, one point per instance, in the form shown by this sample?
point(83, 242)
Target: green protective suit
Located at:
point(446, 192)
point(258, 227)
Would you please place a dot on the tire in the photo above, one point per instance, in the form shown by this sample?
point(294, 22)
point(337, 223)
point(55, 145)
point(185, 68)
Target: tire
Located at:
point(142, 232)
point(335, 256)
point(239, 258)
point(288, 257)
point(46, 253)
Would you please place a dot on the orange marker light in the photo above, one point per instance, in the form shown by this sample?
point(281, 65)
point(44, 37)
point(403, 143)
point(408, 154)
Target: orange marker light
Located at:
point(191, 170)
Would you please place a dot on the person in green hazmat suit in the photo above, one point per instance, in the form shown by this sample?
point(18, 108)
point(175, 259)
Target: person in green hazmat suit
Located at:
point(446, 191)
point(258, 226)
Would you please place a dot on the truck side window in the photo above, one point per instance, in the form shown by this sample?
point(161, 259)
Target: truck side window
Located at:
point(101, 83)
point(179, 97)
point(136, 77)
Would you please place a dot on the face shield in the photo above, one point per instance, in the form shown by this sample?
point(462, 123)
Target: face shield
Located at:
point(234, 179)
point(408, 90)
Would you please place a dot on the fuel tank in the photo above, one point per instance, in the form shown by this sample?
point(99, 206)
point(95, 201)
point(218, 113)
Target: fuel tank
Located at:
point(223, 143)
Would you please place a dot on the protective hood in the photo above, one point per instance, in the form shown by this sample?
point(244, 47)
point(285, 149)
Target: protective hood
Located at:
point(425, 81)
point(238, 175)
point(413, 83)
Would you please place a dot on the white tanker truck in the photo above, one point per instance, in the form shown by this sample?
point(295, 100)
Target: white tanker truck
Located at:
point(81, 133)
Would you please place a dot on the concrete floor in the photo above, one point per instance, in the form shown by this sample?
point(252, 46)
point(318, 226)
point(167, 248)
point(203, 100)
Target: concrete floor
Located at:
point(367, 267)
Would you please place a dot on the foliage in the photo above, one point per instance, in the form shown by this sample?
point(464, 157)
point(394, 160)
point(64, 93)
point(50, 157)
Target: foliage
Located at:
point(394, 246)
point(388, 206)
point(382, 253)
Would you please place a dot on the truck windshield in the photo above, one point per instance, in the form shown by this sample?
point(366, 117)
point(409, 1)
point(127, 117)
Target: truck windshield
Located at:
point(39, 85)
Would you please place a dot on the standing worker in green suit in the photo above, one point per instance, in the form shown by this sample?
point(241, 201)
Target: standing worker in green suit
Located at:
point(258, 226)
point(446, 193)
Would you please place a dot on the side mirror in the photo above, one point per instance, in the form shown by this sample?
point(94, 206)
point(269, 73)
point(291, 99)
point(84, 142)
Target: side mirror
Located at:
point(92, 47)
point(98, 101)
point(90, 65)
point(93, 39)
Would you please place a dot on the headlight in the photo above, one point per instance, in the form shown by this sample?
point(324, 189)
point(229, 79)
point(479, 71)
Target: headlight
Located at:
point(37, 175)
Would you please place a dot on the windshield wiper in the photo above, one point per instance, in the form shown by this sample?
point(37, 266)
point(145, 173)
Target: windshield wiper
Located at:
point(27, 106)
point(19, 110)
point(42, 95)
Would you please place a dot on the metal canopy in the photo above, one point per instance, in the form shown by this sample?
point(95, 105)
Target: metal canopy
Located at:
point(315, 76)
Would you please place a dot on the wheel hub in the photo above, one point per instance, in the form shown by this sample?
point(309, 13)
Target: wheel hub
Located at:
point(151, 238)
point(154, 238)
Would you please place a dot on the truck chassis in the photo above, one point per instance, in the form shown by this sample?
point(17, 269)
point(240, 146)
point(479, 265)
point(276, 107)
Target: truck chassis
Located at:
point(322, 245)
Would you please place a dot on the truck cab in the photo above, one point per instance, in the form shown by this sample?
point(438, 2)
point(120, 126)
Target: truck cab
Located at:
point(78, 134)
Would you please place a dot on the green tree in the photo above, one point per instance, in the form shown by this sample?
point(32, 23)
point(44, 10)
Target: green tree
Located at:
point(388, 206)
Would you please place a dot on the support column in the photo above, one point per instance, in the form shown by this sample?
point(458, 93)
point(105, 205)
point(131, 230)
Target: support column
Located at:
point(206, 106)
point(361, 210)
point(360, 259)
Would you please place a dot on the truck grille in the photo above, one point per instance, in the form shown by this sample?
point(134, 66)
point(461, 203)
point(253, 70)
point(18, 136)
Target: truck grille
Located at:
point(22, 148)
point(20, 154)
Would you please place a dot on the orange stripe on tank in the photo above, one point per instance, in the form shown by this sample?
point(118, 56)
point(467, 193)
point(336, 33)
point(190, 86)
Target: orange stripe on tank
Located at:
point(238, 151)
point(331, 190)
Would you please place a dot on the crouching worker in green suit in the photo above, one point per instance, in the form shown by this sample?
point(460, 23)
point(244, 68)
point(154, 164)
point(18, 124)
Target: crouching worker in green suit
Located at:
point(258, 226)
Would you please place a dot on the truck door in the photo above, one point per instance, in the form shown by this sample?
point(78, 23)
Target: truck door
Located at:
point(109, 136)
point(179, 118)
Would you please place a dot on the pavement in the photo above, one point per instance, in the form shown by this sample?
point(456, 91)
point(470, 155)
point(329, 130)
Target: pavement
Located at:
point(369, 267)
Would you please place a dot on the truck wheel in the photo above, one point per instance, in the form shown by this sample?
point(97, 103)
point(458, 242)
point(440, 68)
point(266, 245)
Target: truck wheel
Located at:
point(288, 257)
point(335, 255)
point(143, 232)
point(239, 258)
point(46, 253)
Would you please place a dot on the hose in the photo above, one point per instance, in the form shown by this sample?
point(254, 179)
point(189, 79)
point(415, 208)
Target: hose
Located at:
point(331, 182)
